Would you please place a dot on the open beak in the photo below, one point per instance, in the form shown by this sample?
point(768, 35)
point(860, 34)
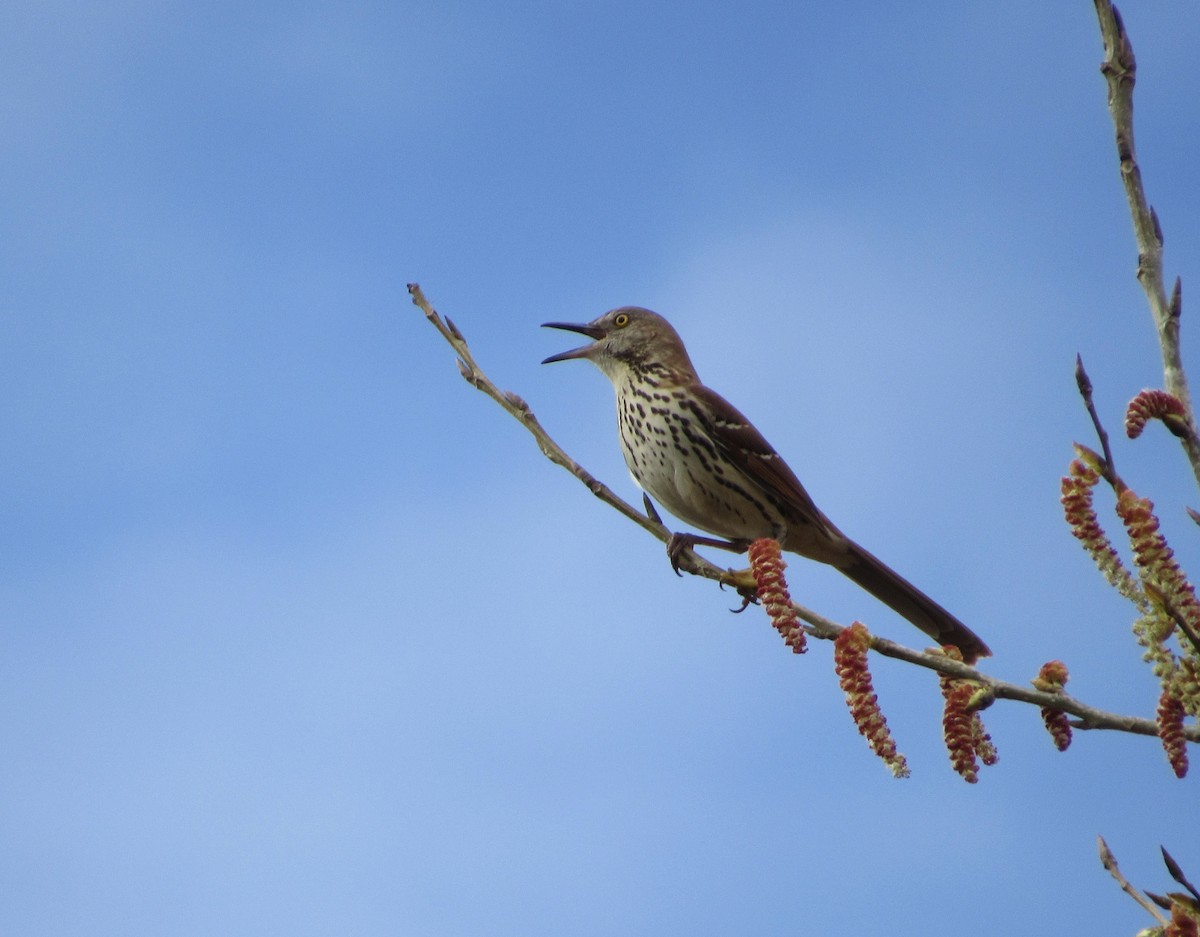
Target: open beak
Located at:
point(591, 331)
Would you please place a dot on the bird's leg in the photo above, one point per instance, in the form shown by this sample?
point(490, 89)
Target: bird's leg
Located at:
point(681, 542)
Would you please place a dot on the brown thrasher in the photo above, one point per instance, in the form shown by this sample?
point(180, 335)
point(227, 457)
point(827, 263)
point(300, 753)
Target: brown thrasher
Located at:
point(694, 453)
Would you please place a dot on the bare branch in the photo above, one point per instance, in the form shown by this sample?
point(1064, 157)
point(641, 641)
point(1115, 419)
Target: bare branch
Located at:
point(1120, 71)
point(1109, 861)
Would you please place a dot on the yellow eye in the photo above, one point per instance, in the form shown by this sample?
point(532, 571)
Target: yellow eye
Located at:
point(621, 319)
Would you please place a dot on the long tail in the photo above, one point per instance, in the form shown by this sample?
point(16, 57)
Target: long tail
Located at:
point(901, 595)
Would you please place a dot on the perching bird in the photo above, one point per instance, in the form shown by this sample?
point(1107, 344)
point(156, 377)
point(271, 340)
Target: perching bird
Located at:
point(693, 452)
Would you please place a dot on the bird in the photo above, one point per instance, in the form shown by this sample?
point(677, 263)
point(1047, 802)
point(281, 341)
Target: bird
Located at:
point(694, 453)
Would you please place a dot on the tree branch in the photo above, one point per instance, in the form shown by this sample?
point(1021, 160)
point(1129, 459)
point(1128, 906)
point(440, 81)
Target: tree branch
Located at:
point(1109, 861)
point(817, 625)
point(1120, 71)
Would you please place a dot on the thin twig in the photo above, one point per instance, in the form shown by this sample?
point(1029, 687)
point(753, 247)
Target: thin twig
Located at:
point(1084, 383)
point(1109, 861)
point(1120, 71)
point(818, 625)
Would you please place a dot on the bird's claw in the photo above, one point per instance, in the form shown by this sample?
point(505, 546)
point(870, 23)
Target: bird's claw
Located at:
point(681, 543)
point(749, 597)
point(676, 546)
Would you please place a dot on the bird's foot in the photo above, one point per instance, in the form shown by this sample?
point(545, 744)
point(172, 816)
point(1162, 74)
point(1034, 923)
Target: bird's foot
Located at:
point(749, 597)
point(682, 543)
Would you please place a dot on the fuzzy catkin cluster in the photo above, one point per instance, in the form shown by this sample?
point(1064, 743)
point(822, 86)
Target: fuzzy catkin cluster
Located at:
point(766, 562)
point(850, 663)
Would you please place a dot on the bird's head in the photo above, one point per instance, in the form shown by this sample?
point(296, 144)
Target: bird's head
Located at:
point(629, 337)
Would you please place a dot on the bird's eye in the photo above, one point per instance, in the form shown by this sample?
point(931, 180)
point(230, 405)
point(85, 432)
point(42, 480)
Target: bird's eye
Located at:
point(621, 319)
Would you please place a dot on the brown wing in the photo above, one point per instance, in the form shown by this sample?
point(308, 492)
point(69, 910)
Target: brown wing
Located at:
point(746, 447)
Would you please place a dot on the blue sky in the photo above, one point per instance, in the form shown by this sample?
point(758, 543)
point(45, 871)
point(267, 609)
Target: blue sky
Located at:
point(302, 636)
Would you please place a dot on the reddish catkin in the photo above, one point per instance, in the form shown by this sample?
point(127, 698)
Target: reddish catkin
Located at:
point(766, 562)
point(958, 728)
point(1051, 679)
point(1155, 405)
point(962, 728)
point(1058, 727)
point(1080, 514)
point(1170, 731)
point(1076, 500)
point(850, 664)
point(1155, 557)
